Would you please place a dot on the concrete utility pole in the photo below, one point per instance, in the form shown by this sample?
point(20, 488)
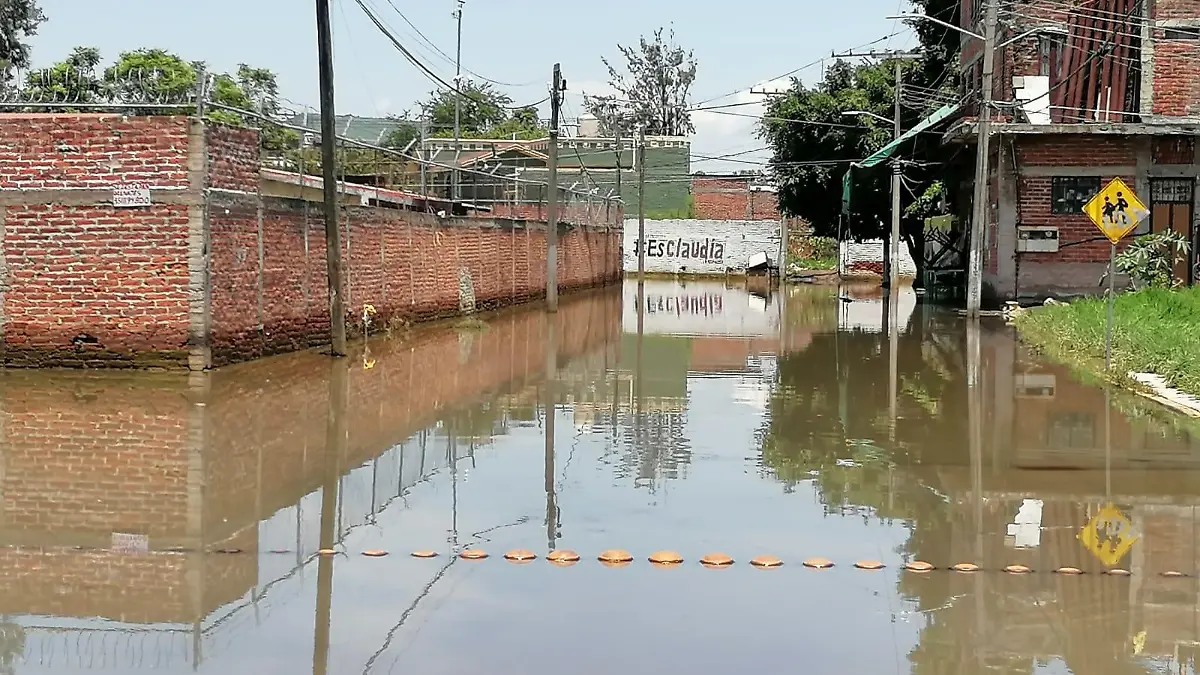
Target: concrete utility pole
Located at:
point(617, 135)
point(891, 248)
point(557, 87)
point(980, 215)
point(641, 245)
point(333, 241)
point(893, 274)
point(454, 192)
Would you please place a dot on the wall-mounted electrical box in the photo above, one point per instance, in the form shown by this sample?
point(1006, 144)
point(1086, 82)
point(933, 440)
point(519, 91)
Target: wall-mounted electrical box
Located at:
point(1037, 239)
point(1035, 385)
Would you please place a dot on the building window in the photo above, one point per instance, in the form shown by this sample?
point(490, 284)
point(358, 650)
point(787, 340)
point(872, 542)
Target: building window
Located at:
point(1171, 191)
point(1071, 430)
point(1181, 33)
point(1069, 194)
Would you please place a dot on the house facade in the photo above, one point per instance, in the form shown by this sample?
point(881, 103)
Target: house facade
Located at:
point(1084, 94)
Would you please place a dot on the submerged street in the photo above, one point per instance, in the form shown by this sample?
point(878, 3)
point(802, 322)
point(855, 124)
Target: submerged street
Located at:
point(154, 521)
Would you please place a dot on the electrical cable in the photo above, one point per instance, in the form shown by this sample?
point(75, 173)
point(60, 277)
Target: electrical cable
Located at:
point(451, 60)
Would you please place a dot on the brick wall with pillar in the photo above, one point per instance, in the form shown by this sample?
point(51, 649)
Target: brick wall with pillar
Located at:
point(211, 272)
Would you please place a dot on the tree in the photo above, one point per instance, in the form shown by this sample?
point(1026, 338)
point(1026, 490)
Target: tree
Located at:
point(485, 113)
point(405, 132)
point(653, 90)
point(151, 76)
point(73, 80)
point(807, 125)
point(481, 109)
point(19, 20)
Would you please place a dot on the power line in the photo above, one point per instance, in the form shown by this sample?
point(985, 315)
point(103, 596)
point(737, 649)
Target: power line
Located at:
point(451, 60)
point(434, 77)
point(797, 70)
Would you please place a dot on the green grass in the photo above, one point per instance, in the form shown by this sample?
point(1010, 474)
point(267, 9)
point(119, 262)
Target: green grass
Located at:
point(814, 263)
point(1154, 331)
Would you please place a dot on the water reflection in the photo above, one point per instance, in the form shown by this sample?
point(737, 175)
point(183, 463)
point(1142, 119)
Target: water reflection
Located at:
point(174, 523)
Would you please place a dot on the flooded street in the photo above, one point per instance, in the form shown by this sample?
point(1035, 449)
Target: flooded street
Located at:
point(167, 523)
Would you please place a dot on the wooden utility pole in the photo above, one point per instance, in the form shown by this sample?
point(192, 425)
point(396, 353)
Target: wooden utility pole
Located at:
point(333, 241)
point(982, 147)
point(557, 86)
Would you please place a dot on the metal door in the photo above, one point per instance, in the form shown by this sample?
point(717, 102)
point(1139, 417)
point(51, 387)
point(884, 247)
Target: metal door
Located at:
point(1171, 202)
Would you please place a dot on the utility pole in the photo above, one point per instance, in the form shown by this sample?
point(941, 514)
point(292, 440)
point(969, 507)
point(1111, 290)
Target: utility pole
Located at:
point(641, 162)
point(891, 248)
point(980, 214)
point(557, 86)
point(617, 135)
point(894, 248)
point(333, 241)
point(457, 101)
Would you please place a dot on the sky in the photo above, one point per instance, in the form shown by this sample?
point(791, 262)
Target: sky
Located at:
point(738, 44)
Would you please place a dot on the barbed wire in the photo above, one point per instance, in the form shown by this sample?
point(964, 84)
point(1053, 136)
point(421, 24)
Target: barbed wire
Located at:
point(65, 85)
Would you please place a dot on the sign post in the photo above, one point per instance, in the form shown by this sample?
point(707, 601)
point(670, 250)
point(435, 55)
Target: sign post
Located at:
point(1108, 535)
point(1116, 211)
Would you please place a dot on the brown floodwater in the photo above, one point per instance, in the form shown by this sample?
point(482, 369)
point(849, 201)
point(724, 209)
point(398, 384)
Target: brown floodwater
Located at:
point(173, 523)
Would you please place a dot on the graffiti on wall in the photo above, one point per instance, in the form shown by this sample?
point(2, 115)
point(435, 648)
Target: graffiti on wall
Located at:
point(704, 250)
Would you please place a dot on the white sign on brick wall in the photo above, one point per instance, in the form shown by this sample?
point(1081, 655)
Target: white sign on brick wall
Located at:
point(131, 195)
point(701, 246)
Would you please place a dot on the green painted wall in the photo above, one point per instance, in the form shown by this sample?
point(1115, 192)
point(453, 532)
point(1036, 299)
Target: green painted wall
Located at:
point(668, 179)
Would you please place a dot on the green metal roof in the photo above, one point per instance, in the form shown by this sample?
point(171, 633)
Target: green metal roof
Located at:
point(888, 150)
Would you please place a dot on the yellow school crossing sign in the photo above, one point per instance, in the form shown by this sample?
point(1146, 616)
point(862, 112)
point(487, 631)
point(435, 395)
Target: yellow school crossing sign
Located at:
point(1116, 210)
point(1108, 535)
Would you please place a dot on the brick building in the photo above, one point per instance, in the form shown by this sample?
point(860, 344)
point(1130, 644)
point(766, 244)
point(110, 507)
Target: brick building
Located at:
point(733, 197)
point(1085, 93)
point(206, 268)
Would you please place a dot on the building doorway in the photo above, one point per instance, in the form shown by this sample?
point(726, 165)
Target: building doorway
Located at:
point(1171, 209)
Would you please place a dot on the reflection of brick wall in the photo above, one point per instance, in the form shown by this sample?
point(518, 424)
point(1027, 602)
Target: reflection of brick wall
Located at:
point(93, 455)
point(119, 587)
point(86, 455)
point(271, 414)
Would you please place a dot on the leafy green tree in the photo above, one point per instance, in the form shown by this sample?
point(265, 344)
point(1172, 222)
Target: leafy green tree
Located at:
point(405, 132)
point(73, 80)
point(482, 108)
point(151, 76)
point(19, 20)
point(653, 90)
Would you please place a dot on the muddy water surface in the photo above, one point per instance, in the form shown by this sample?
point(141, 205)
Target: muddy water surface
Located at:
point(166, 523)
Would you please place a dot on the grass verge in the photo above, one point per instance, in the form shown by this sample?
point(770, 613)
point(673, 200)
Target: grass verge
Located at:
point(1154, 331)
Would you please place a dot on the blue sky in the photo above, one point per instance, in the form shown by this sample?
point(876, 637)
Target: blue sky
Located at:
point(738, 44)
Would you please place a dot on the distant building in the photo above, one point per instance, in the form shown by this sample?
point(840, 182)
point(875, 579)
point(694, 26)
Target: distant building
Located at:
point(734, 197)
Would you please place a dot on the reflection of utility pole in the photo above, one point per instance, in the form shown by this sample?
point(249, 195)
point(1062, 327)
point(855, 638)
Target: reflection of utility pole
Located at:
point(550, 404)
point(975, 431)
point(335, 444)
point(641, 245)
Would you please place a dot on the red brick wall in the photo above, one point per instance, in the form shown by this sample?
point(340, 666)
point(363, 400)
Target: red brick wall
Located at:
point(731, 199)
point(86, 284)
point(1034, 192)
point(1173, 150)
point(405, 265)
point(89, 284)
point(233, 158)
point(92, 285)
point(1176, 75)
point(91, 151)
